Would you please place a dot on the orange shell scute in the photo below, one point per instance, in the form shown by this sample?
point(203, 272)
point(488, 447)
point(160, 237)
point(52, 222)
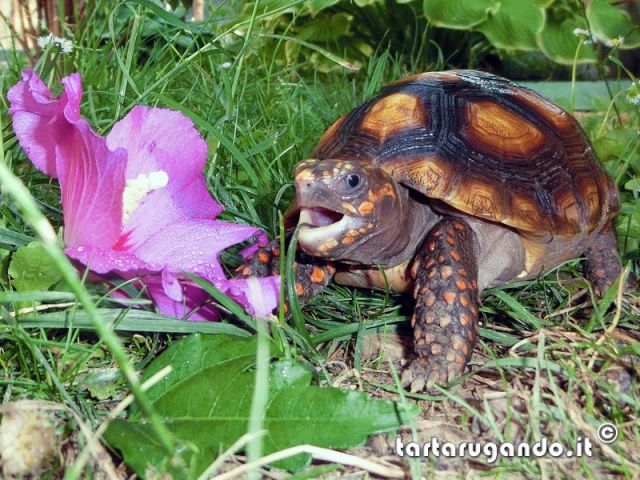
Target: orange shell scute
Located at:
point(392, 114)
point(496, 127)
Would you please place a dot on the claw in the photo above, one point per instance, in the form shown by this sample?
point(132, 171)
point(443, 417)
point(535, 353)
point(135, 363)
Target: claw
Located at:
point(419, 376)
point(406, 378)
point(418, 385)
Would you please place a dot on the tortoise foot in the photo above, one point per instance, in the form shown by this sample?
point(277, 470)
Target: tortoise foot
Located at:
point(602, 267)
point(422, 373)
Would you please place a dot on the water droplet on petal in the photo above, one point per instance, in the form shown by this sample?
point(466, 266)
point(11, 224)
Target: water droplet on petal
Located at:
point(151, 146)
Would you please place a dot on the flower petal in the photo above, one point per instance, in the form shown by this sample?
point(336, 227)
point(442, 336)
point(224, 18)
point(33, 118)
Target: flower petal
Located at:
point(171, 285)
point(105, 260)
point(258, 295)
point(194, 305)
point(91, 182)
point(61, 144)
point(38, 119)
point(193, 246)
point(162, 140)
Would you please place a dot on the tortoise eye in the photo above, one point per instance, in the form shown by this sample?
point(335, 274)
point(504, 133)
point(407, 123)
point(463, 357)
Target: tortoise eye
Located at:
point(353, 180)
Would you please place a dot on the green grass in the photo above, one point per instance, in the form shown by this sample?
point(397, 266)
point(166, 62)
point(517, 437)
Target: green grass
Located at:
point(549, 363)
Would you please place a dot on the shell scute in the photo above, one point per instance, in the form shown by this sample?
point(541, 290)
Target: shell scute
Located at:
point(494, 127)
point(393, 114)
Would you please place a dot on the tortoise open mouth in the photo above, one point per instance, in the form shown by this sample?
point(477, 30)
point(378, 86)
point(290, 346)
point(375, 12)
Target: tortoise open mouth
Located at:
point(320, 227)
point(318, 217)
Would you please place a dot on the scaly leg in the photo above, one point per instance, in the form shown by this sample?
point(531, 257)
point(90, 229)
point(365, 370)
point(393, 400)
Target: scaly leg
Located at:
point(603, 266)
point(312, 274)
point(445, 319)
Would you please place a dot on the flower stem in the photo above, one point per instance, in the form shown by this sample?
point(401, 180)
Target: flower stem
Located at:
point(574, 69)
point(16, 189)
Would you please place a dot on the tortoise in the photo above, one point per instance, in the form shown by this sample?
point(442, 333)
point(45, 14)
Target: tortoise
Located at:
point(445, 184)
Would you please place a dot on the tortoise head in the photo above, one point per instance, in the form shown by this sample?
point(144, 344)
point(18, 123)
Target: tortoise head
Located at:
point(350, 211)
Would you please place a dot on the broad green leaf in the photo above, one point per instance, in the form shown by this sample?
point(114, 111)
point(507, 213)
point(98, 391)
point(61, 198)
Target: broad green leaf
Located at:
point(206, 400)
point(559, 43)
point(194, 355)
point(458, 14)
point(326, 28)
point(609, 24)
point(32, 269)
point(514, 25)
point(315, 6)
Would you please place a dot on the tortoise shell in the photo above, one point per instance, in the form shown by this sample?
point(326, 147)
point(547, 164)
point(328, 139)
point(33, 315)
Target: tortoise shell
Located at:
point(483, 146)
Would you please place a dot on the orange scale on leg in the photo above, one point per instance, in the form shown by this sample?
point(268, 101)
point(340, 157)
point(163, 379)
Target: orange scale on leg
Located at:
point(449, 297)
point(446, 272)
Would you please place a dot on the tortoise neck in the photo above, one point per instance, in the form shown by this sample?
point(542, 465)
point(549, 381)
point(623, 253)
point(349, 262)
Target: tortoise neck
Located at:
point(417, 218)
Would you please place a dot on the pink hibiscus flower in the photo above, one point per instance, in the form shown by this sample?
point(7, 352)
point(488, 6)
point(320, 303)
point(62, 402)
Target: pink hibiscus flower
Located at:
point(135, 202)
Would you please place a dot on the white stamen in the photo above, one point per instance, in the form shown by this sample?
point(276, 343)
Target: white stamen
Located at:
point(138, 188)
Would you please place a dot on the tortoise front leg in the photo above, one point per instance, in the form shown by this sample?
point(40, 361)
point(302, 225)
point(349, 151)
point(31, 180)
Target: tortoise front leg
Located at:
point(445, 319)
point(312, 274)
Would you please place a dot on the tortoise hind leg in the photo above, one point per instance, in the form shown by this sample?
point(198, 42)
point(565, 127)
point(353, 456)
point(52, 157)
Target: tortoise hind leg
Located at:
point(603, 266)
point(445, 319)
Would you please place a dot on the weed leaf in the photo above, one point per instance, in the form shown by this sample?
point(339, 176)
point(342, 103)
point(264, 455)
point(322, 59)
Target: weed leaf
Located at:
point(206, 401)
point(32, 269)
